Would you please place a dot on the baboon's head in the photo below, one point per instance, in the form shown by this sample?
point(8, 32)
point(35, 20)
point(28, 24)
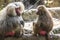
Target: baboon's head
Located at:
point(41, 10)
point(15, 9)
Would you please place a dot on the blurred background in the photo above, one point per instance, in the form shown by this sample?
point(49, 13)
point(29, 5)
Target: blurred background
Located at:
point(28, 3)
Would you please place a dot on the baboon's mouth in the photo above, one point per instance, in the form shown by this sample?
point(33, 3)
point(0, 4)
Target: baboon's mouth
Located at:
point(17, 11)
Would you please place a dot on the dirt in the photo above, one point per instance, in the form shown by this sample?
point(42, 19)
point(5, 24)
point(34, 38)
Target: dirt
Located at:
point(30, 37)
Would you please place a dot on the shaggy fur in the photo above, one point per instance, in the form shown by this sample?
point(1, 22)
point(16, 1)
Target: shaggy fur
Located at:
point(9, 20)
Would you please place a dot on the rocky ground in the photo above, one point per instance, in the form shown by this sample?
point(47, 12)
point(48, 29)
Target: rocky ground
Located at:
point(31, 38)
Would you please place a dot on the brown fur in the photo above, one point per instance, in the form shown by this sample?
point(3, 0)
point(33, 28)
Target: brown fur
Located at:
point(44, 21)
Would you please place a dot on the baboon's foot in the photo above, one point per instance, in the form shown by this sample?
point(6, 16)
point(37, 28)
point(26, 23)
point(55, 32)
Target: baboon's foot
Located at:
point(18, 34)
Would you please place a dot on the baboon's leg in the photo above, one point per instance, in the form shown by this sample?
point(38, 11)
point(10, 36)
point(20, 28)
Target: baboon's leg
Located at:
point(47, 37)
point(18, 32)
point(35, 31)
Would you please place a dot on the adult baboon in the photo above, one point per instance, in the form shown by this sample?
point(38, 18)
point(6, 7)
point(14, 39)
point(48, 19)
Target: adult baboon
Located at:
point(44, 23)
point(9, 20)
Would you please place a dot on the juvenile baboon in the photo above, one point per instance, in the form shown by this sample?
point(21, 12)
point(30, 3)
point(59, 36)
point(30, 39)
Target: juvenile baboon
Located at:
point(10, 21)
point(44, 23)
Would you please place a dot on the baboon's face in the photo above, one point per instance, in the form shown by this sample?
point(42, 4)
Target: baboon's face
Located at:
point(15, 9)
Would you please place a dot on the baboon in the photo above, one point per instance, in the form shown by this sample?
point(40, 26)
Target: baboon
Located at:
point(10, 21)
point(44, 23)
